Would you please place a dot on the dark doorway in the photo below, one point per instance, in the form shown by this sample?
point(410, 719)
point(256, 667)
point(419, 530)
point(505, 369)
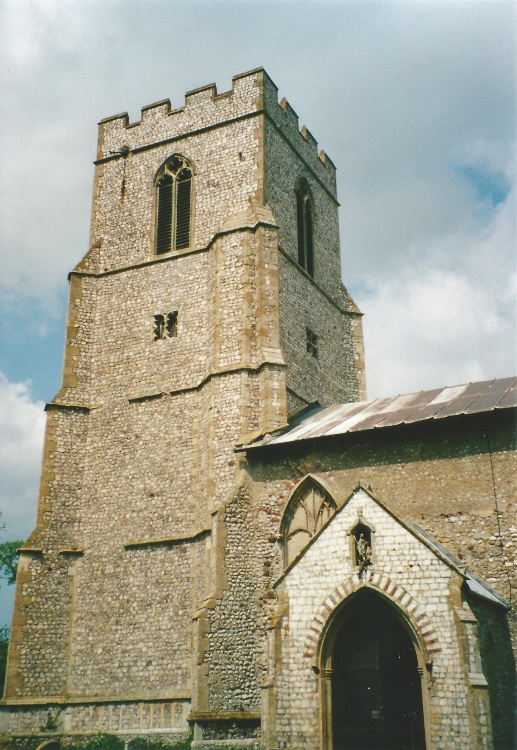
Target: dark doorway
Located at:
point(376, 686)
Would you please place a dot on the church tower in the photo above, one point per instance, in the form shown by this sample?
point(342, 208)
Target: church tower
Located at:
point(208, 307)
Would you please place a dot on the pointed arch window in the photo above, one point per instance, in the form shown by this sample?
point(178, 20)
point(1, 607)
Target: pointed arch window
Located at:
point(308, 511)
point(174, 205)
point(305, 227)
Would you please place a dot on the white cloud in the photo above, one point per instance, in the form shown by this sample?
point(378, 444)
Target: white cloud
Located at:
point(28, 25)
point(22, 424)
point(446, 317)
point(44, 211)
point(427, 329)
point(399, 95)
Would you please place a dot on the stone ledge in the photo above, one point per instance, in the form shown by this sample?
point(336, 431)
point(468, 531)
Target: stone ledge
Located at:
point(262, 220)
point(168, 540)
point(218, 372)
point(352, 313)
point(224, 716)
point(477, 679)
point(47, 700)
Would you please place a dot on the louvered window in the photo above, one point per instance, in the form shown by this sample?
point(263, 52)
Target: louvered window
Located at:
point(174, 202)
point(304, 217)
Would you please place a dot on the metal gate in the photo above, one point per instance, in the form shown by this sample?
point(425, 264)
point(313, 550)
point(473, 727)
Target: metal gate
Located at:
point(376, 685)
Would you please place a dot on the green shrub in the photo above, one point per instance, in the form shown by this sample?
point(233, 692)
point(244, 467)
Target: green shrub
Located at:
point(52, 722)
point(140, 743)
point(26, 743)
point(101, 742)
point(105, 742)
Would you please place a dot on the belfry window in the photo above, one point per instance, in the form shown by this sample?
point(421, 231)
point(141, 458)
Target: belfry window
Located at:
point(305, 224)
point(174, 203)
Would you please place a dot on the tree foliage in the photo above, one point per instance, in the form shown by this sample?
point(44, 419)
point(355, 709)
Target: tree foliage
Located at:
point(4, 645)
point(9, 559)
point(8, 563)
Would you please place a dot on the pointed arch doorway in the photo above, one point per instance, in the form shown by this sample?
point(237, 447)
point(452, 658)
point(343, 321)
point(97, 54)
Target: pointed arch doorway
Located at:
point(373, 687)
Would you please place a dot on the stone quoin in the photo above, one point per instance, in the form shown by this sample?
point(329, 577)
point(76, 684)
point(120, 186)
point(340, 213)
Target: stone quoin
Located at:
point(231, 542)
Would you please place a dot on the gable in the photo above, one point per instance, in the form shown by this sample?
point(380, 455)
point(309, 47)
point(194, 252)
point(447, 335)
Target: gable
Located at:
point(396, 550)
point(393, 547)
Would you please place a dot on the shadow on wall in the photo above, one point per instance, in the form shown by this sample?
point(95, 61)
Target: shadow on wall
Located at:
point(498, 665)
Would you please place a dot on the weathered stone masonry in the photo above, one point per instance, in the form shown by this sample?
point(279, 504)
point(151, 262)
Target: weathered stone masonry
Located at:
point(440, 476)
point(153, 597)
point(139, 452)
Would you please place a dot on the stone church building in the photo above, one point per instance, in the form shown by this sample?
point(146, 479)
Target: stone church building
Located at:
point(231, 541)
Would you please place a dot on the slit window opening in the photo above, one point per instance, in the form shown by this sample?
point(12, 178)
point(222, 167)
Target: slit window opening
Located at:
point(172, 324)
point(311, 342)
point(305, 227)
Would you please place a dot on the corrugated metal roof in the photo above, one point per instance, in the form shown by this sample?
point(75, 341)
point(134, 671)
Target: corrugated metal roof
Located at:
point(472, 398)
point(475, 584)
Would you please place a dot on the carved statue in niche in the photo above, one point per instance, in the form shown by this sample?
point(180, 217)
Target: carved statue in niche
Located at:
point(363, 552)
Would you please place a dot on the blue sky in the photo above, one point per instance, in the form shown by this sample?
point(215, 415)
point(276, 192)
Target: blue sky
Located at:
point(413, 101)
point(493, 187)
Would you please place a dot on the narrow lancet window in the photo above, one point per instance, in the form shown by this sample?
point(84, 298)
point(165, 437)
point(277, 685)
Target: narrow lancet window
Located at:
point(312, 342)
point(174, 206)
point(305, 226)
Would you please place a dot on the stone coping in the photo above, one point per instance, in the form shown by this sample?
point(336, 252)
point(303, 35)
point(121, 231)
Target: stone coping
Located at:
point(177, 539)
point(225, 716)
point(48, 700)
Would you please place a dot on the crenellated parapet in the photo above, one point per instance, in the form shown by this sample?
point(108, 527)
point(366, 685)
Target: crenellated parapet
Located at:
point(252, 93)
point(300, 139)
point(204, 108)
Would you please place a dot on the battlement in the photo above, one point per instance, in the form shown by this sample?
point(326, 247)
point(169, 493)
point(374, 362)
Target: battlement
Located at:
point(252, 93)
point(284, 116)
point(193, 98)
point(291, 119)
point(285, 122)
point(203, 108)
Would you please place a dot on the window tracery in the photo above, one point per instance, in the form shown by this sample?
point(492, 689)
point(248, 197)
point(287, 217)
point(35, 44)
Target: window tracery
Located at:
point(308, 511)
point(174, 205)
point(165, 326)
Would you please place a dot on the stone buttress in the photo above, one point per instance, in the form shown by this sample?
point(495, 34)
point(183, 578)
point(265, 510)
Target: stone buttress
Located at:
point(171, 359)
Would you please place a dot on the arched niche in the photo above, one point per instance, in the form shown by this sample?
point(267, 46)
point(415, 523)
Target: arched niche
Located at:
point(308, 510)
point(361, 536)
point(373, 678)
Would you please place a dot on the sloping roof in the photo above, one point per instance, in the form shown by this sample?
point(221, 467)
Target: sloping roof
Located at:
point(475, 584)
point(472, 398)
